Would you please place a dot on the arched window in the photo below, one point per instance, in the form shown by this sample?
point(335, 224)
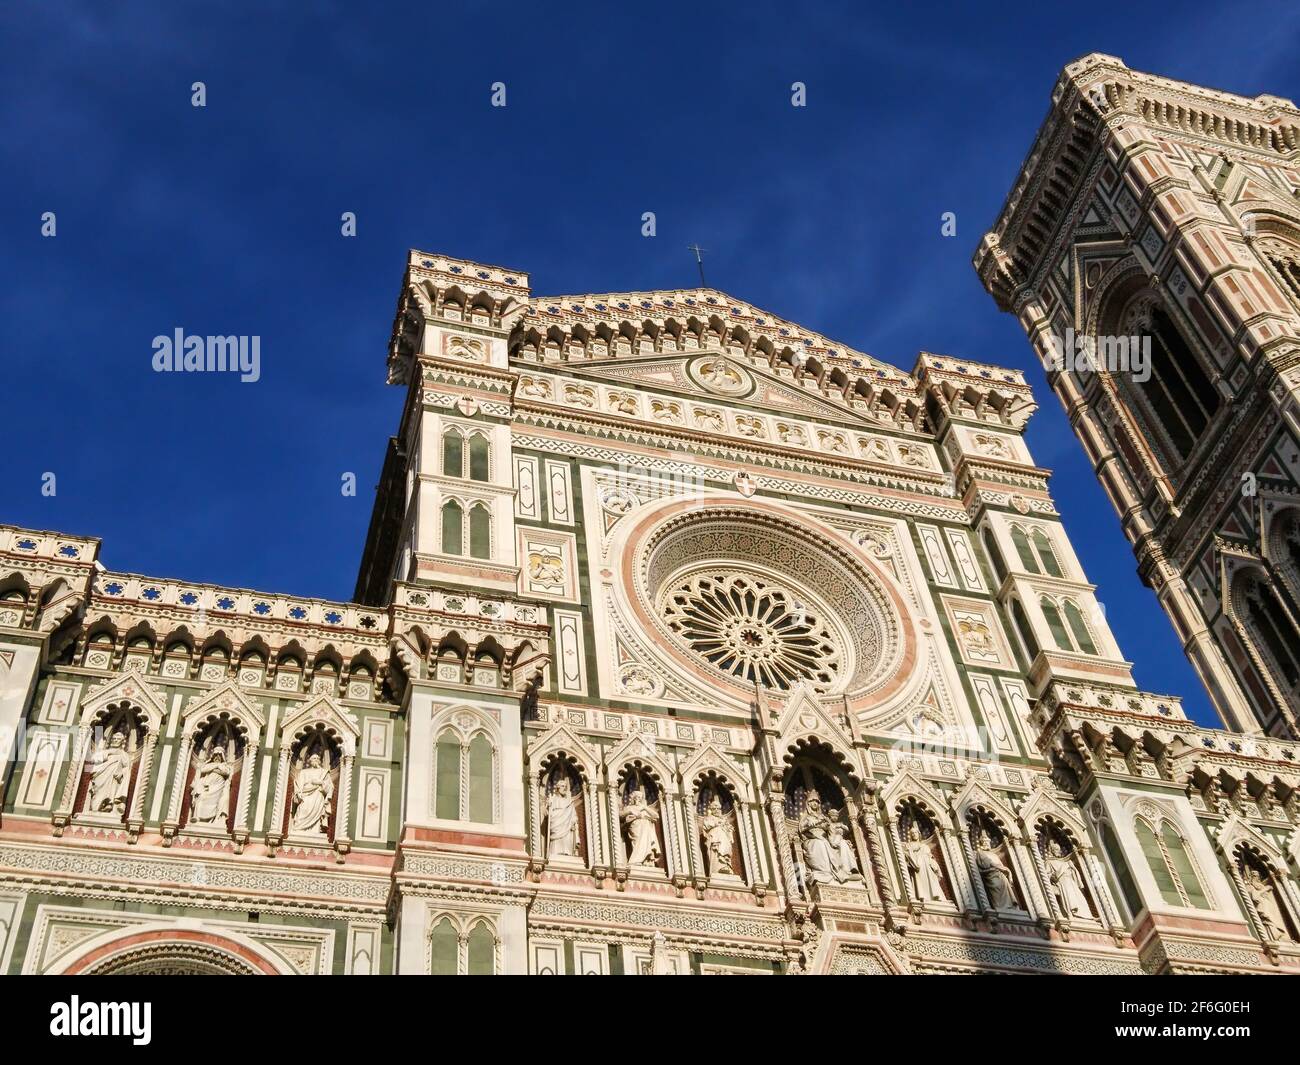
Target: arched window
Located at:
point(464, 785)
point(995, 555)
point(452, 530)
point(447, 777)
point(444, 949)
point(1178, 390)
point(1045, 553)
point(480, 780)
point(480, 531)
point(479, 464)
point(1160, 868)
point(1054, 624)
point(453, 453)
point(1171, 866)
point(1074, 618)
point(482, 950)
point(1182, 863)
point(1021, 542)
point(1267, 618)
point(1024, 629)
point(1128, 889)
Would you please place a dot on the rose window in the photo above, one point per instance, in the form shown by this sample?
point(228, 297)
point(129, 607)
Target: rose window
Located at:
point(754, 628)
point(758, 600)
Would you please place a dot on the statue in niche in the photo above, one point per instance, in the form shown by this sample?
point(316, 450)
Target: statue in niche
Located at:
point(827, 852)
point(313, 792)
point(640, 820)
point(210, 788)
point(996, 875)
point(110, 777)
point(719, 836)
point(561, 819)
point(843, 860)
point(922, 866)
point(1067, 884)
point(1261, 894)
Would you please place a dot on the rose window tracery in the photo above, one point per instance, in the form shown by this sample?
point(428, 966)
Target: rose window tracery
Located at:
point(756, 599)
point(754, 629)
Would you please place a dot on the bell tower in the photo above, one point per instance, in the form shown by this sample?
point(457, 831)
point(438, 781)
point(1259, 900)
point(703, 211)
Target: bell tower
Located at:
point(1151, 250)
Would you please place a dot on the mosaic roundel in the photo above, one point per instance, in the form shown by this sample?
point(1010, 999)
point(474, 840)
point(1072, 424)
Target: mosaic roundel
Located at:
point(762, 600)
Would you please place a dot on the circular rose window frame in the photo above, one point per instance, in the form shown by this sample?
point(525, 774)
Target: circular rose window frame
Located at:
point(647, 523)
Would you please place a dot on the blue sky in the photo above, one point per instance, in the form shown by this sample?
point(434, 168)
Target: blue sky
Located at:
point(225, 220)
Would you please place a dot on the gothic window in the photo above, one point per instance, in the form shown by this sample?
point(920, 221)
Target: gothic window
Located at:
point(481, 950)
point(1021, 542)
point(479, 464)
point(464, 777)
point(1268, 619)
point(453, 518)
point(453, 453)
point(444, 948)
point(1043, 546)
point(480, 531)
point(1118, 865)
point(1024, 629)
point(995, 555)
point(1052, 615)
point(446, 787)
point(1079, 628)
point(481, 775)
point(1171, 866)
point(1178, 390)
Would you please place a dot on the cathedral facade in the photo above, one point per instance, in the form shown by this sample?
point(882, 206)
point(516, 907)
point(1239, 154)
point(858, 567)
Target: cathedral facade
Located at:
point(1165, 217)
point(686, 641)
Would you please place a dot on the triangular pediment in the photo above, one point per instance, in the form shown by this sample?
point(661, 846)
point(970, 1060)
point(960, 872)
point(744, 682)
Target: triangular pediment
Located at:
point(227, 698)
point(126, 688)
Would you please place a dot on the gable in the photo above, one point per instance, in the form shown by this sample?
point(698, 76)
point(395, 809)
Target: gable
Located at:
point(717, 378)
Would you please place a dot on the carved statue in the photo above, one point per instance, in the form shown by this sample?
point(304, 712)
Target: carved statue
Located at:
point(1066, 883)
point(313, 791)
point(843, 860)
point(997, 877)
point(639, 820)
point(561, 821)
point(210, 789)
point(1270, 913)
point(922, 866)
point(827, 852)
point(719, 836)
point(110, 777)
